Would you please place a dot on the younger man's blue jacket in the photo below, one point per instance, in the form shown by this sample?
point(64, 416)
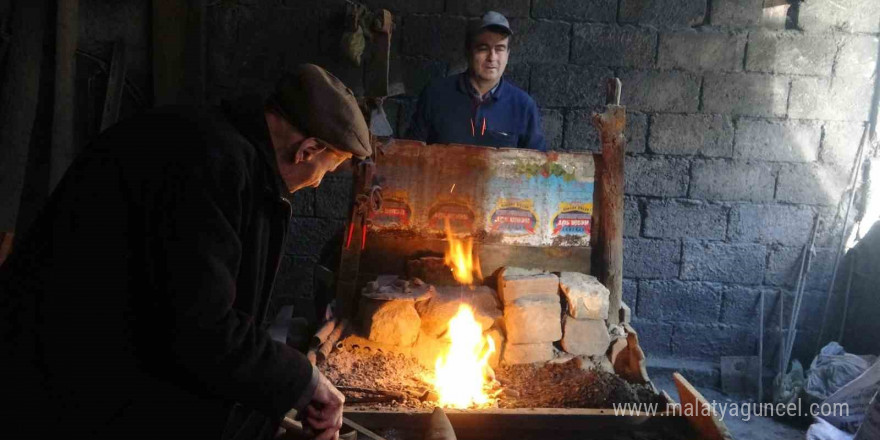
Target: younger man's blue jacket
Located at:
point(450, 111)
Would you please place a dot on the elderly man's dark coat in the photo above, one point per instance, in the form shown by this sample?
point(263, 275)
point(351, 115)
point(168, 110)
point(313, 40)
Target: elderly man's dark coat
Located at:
point(135, 305)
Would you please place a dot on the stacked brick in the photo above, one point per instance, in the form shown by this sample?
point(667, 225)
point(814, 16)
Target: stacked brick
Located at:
point(535, 319)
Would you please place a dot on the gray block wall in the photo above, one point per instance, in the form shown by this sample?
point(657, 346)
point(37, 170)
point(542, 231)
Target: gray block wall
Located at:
point(742, 129)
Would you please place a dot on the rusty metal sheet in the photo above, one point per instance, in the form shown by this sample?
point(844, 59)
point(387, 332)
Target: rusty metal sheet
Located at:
point(497, 195)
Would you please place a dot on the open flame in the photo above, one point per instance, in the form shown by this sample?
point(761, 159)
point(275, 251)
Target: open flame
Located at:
point(462, 374)
point(460, 257)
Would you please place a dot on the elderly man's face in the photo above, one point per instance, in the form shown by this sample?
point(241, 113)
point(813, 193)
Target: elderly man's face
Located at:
point(488, 55)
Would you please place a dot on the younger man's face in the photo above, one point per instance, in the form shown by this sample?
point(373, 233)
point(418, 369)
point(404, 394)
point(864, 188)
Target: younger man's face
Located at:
point(487, 57)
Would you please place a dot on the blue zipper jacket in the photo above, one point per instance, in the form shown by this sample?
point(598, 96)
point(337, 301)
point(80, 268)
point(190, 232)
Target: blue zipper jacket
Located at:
point(449, 112)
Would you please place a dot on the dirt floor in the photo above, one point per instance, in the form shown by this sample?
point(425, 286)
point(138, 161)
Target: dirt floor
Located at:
point(394, 381)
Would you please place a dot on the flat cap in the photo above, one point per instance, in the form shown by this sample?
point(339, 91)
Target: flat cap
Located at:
point(320, 105)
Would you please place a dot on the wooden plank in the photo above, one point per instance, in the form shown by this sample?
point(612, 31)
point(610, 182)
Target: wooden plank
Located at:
point(63, 148)
point(695, 408)
point(610, 125)
point(18, 103)
point(377, 71)
point(115, 86)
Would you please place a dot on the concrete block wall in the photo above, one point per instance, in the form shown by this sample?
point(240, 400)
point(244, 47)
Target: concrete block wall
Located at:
point(742, 127)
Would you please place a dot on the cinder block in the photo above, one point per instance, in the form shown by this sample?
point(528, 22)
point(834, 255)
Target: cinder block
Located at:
point(772, 224)
point(784, 265)
point(705, 135)
point(586, 297)
point(651, 259)
point(609, 45)
point(810, 184)
point(831, 226)
point(840, 144)
point(542, 286)
point(847, 15)
point(857, 57)
point(691, 219)
point(732, 180)
point(532, 321)
point(632, 218)
point(585, 337)
point(736, 13)
point(406, 6)
point(741, 305)
point(433, 36)
point(576, 10)
point(791, 52)
point(527, 353)
point(777, 141)
point(333, 197)
point(557, 85)
point(702, 50)
point(661, 91)
point(721, 262)
point(540, 41)
point(679, 301)
point(581, 135)
point(844, 99)
point(296, 278)
point(709, 341)
point(310, 235)
point(519, 74)
point(416, 73)
point(476, 8)
point(631, 293)
point(663, 13)
point(551, 122)
point(664, 177)
point(655, 338)
point(750, 94)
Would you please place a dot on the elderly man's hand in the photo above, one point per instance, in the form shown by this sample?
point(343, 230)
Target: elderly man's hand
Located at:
point(324, 413)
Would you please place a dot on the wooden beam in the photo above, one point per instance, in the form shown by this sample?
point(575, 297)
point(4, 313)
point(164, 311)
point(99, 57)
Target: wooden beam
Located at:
point(377, 71)
point(64, 147)
point(18, 102)
point(610, 125)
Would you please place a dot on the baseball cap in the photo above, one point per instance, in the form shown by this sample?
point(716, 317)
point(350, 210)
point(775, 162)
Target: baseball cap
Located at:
point(491, 20)
point(319, 104)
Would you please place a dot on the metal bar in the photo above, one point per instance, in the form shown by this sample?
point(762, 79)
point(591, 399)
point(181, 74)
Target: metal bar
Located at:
point(115, 86)
point(761, 349)
point(852, 265)
point(857, 166)
point(63, 142)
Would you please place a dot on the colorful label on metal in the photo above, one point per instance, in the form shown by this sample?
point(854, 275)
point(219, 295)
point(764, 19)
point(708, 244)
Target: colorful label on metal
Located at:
point(395, 212)
point(461, 217)
point(572, 219)
point(514, 217)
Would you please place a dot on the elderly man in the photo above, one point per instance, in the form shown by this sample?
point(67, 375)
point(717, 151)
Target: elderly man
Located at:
point(135, 306)
point(479, 106)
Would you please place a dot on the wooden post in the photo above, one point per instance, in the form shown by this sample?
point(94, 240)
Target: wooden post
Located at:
point(18, 102)
point(63, 140)
point(610, 125)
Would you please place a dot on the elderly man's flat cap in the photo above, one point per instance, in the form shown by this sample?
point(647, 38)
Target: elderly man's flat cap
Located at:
point(320, 105)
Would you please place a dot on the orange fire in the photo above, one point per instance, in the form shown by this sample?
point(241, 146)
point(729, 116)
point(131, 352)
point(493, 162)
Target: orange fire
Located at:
point(460, 257)
point(461, 374)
